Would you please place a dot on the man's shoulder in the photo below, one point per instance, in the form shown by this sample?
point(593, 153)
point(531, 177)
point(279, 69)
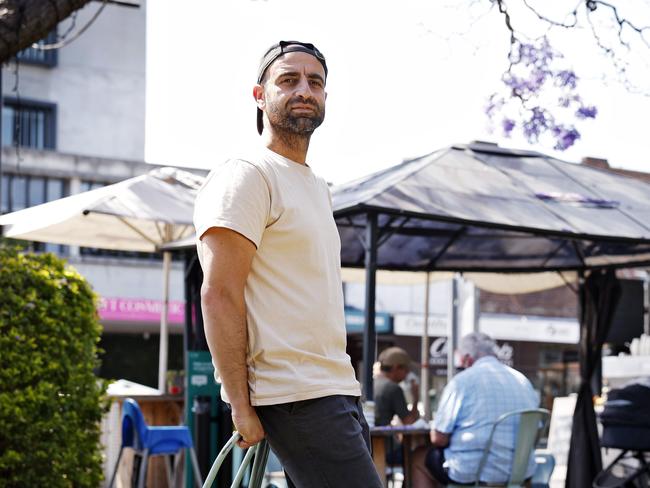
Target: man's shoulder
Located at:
point(242, 167)
point(385, 386)
point(478, 371)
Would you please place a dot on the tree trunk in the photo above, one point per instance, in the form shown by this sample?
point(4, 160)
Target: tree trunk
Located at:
point(24, 22)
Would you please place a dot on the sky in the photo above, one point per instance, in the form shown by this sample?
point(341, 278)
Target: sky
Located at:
point(406, 77)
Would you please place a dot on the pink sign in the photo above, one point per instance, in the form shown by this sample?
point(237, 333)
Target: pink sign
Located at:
point(139, 310)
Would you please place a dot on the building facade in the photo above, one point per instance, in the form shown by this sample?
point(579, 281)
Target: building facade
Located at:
point(73, 119)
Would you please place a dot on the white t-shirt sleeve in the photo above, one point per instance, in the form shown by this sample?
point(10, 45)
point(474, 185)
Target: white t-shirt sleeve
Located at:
point(235, 196)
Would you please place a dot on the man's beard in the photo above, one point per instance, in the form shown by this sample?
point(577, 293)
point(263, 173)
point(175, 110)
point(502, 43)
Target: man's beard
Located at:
point(283, 120)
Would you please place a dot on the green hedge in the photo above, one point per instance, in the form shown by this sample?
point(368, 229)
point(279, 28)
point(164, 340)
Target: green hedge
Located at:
point(51, 402)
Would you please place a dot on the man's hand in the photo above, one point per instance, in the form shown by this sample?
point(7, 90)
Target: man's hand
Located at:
point(439, 439)
point(415, 391)
point(248, 425)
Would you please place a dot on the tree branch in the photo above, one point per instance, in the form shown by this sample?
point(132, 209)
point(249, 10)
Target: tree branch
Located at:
point(20, 30)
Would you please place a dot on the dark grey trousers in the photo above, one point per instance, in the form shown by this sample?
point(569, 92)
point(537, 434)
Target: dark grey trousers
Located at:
point(321, 443)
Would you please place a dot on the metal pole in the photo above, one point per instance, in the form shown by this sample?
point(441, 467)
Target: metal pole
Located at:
point(369, 336)
point(2, 103)
point(164, 325)
point(646, 305)
point(424, 354)
point(452, 329)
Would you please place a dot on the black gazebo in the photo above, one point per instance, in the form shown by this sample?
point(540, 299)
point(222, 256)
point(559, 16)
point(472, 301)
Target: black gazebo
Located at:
point(481, 208)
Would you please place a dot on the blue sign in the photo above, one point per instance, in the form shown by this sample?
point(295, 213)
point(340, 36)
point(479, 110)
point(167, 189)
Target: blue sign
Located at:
point(354, 321)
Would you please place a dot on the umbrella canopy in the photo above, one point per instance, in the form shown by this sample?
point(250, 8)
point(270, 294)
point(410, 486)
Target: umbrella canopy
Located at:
point(138, 214)
point(479, 207)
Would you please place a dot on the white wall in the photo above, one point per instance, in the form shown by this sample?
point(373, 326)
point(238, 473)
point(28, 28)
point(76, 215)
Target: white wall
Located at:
point(126, 280)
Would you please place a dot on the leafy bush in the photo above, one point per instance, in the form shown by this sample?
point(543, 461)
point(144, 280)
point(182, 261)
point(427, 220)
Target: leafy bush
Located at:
point(50, 400)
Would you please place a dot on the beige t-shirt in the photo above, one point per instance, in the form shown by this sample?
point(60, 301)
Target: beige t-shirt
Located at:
point(294, 297)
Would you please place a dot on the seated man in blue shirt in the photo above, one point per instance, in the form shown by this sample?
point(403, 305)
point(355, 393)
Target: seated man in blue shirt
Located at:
point(470, 404)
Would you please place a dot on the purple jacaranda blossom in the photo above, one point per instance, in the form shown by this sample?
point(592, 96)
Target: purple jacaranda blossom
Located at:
point(587, 112)
point(565, 136)
point(537, 123)
point(531, 74)
point(507, 125)
point(494, 104)
point(566, 78)
point(532, 55)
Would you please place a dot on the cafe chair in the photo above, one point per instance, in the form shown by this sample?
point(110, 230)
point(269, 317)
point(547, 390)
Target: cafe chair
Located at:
point(544, 466)
point(531, 423)
point(258, 455)
point(149, 441)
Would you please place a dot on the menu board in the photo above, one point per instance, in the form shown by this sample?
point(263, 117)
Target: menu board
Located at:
point(559, 436)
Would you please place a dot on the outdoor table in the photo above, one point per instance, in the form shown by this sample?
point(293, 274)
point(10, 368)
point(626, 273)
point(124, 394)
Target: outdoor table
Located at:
point(412, 437)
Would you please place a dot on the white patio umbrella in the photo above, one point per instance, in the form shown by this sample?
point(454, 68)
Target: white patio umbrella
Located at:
point(138, 214)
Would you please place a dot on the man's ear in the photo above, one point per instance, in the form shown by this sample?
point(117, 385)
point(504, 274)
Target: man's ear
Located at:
point(258, 94)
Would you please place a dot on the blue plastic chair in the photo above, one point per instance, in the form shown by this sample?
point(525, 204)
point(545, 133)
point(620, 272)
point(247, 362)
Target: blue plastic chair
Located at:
point(153, 441)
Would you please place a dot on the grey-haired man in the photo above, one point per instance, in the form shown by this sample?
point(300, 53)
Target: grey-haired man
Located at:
point(272, 297)
point(470, 404)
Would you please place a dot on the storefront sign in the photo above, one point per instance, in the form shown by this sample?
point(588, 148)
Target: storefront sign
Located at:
point(530, 329)
point(355, 320)
point(139, 310)
point(413, 325)
point(438, 353)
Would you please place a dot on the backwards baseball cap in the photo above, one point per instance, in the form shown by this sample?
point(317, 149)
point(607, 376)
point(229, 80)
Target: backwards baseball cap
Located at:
point(277, 50)
point(395, 356)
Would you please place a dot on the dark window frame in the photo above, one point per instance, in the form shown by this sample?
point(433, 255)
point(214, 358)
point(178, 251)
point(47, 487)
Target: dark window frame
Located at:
point(51, 115)
point(59, 249)
point(9, 177)
point(35, 57)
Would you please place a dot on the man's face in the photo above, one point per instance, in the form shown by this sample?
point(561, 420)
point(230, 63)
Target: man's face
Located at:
point(293, 95)
point(400, 372)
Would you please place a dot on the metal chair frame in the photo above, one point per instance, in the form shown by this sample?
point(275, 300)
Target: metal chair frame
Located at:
point(531, 422)
point(259, 454)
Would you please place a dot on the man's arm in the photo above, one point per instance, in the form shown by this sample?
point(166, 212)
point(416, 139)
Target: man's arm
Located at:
point(438, 439)
point(227, 258)
point(406, 416)
point(412, 416)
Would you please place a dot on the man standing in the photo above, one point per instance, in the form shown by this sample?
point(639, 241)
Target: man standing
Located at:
point(272, 297)
point(470, 404)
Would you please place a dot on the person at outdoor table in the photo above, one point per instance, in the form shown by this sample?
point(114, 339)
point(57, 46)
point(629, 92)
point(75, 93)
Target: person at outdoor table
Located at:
point(470, 403)
point(272, 297)
point(394, 367)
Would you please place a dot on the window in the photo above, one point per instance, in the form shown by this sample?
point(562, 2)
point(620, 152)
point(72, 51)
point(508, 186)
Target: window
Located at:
point(19, 192)
point(39, 57)
point(90, 185)
point(28, 123)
